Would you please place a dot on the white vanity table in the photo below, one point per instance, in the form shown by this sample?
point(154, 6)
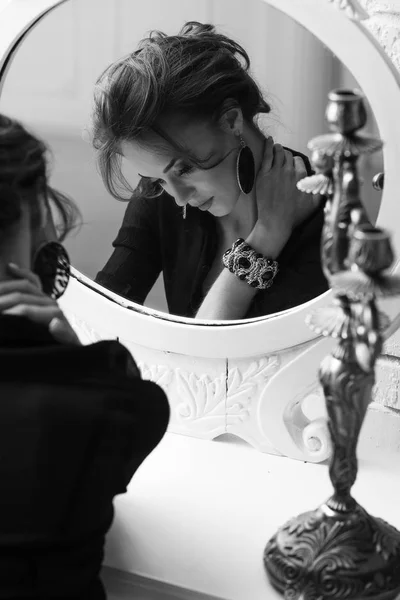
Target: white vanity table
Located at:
point(198, 513)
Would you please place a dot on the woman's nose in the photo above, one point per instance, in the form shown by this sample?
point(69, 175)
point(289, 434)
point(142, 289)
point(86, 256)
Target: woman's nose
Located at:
point(181, 194)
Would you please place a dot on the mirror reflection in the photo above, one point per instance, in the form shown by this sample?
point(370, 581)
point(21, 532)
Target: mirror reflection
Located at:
point(182, 148)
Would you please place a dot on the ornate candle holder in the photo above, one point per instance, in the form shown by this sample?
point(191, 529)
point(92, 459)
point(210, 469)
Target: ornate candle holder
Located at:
point(339, 550)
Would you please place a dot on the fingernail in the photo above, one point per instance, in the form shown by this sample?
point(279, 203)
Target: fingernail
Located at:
point(55, 323)
point(13, 266)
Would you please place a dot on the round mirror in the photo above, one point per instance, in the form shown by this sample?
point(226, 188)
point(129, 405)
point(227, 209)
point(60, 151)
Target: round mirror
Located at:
point(168, 250)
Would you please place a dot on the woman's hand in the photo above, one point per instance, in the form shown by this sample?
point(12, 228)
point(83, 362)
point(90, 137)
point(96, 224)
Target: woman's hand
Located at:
point(23, 296)
point(281, 206)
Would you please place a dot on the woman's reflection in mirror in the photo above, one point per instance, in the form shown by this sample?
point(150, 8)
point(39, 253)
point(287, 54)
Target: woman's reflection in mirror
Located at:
point(75, 421)
point(216, 209)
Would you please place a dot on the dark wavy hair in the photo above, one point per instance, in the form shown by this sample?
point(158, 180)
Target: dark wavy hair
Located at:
point(24, 177)
point(193, 73)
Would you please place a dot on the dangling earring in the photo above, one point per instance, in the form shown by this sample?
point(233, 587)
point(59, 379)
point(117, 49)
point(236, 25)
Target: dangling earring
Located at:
point(184, 211)
point(51, 264)
point(245, 168)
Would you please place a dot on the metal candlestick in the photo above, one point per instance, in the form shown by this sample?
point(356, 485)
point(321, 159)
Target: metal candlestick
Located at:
point(339, 550)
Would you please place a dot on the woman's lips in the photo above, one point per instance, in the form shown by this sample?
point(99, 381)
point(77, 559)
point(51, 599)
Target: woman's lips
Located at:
point(206, 205)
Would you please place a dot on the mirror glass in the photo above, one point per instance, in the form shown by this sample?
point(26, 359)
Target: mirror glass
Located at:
point(49, 87)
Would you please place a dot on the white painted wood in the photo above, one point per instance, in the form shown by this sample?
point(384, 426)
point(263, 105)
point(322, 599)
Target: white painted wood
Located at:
point(198, 514)
point(266, 366)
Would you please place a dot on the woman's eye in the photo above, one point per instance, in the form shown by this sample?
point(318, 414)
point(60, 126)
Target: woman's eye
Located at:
point(185, 170)
point(153, 181)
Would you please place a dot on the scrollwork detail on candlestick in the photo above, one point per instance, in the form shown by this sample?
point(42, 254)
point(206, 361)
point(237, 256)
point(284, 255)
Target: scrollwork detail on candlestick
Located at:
point(339, 550)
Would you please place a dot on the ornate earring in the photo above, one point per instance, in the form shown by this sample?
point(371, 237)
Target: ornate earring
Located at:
point(245, 168)
point(51, 264)
point(184, 211)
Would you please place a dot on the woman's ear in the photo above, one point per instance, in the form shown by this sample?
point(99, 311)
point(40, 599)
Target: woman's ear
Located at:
point(231, 118)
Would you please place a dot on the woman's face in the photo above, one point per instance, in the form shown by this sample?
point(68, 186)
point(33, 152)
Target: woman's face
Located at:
point(213, 187)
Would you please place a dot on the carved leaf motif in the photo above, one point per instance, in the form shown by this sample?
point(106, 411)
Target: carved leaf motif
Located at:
point(299, 526)
point(81, 327)
point(334, 558)
point(387, 540)
point(202, 397)
point(384, 23)
point(243, 387)
point(388, 18)
point(160, 374)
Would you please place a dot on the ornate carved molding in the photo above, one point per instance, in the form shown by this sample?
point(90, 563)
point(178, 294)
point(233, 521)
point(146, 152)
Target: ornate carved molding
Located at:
point(243, 387)
point(310, 433)
point(227, 397)
point(381, 17)
point(384, 24)
point(208, 404)
point(85, 332)
point(160, 374)
point(352, 8)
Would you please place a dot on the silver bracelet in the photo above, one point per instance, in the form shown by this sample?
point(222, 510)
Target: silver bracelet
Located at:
point(250, 266)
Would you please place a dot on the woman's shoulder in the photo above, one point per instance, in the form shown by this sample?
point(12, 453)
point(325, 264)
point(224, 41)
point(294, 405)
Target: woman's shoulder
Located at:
point(101, 368)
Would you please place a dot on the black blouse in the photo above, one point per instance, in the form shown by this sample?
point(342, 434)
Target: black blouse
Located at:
point(154, 238)
point(75, 424)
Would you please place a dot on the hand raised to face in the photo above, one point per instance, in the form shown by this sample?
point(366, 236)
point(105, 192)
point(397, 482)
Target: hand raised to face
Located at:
point(23, 296)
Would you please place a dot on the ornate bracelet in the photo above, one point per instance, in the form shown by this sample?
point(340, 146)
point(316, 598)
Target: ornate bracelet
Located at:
point(250, 266)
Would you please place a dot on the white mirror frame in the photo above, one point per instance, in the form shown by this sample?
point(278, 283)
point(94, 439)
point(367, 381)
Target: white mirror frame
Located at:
point(254, 378)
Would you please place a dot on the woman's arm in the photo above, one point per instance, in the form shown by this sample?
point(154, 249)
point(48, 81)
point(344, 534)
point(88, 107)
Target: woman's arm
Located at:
point(280, 208)
point(229, 297)
point(135, 263)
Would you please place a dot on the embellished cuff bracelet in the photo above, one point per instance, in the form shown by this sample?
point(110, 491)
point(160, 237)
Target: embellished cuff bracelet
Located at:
point(250, 266)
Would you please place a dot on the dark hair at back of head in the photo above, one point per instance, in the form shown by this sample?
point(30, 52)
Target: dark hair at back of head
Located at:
point(193, 73)
point(23, 177)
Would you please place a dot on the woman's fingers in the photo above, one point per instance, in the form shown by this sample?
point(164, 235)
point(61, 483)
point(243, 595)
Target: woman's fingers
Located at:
point(20, 298)
point(268, 155)
point(279, 157)
point(22, 273)
point(300, 168)
point(50, 316)
point(39, 314)
point(19, 285)
point(62, 331)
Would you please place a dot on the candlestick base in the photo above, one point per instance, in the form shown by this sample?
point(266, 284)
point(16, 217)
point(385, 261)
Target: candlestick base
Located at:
point(328, 553)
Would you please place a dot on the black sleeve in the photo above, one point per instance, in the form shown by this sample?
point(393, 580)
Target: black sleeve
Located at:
point(300, 277)
point(140, 411)
point(293, 285)
point(136, 262)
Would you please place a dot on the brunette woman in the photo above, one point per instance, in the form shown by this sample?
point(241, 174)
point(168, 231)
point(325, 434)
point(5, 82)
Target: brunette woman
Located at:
point(217, 210)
